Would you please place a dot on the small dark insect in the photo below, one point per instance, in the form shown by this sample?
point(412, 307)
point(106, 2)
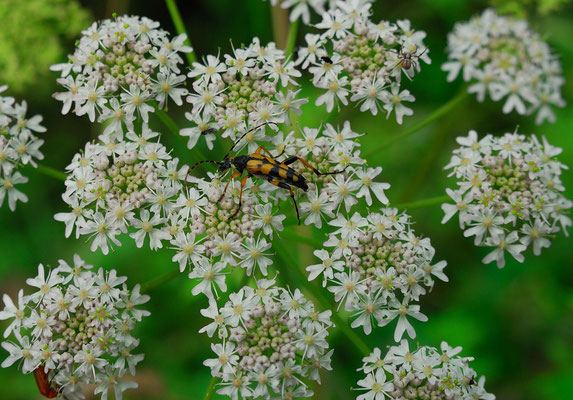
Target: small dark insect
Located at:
point(472, 381)
point(44, 384)
point(208, 131)
point(408, 58)
point(327, 60)
point(277, 173)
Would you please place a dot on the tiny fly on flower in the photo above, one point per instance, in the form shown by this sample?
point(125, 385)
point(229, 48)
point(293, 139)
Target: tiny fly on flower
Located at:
point(44, 384)
point(277, 173)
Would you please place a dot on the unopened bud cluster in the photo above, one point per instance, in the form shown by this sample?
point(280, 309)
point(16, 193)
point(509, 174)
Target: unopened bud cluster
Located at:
point(378, 268)
point(76, 326)
point(504, 59)
point(273, 342)
point(423, 373)
point(19, 146)
point(509, 194)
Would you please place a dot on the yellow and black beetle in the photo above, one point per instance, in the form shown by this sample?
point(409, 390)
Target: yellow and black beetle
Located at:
point(257, 164)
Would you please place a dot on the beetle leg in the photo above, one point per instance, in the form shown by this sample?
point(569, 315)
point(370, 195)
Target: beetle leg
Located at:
point(286, 186)
point(233, 176)
point(243, 182)
point(292, 159)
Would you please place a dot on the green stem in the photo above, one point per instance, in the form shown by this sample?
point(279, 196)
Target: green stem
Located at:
point(159, 280)
point(51, 172)
point(291, 40)
point(301, 239)
point(351, 334)
point(211, 389)
point(440, 112)
point(180, 28)
point(423, 203)
point(196, 154)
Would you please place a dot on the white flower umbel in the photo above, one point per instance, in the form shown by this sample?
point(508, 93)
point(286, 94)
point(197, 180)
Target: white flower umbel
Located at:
point(19, 146)
point(509, 194)
point(327, 149)
point(251, 86)
point(421, 373)
point(356, 58)
point(119, 66)
point(271, 343)
point(121, 185)
point(504, 59)
point(76, 327)
point(378, 268)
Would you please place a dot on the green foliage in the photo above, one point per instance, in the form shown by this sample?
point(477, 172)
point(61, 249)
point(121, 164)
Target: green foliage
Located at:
point(32, 37)
point(523, 8)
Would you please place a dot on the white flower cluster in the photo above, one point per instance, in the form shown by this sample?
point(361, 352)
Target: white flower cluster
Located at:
point(19, 146)
point(509, 193)
point(134, 187)
point(354, 56)
point(425, 373)
point(119, 67)
point(378, 268)
point(117, 185)
point(249, 88)
point(273, 342)
point(504, 58)
point(75, 328)
point(330, 149)
point(302, 8)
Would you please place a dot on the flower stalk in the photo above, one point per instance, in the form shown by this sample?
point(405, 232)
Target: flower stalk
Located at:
point(437, 114)
point(422, 203)
point(51, 172)
point(180, 28)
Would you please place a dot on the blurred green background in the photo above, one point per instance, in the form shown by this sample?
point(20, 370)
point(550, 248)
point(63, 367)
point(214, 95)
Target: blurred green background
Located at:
point(517, 322)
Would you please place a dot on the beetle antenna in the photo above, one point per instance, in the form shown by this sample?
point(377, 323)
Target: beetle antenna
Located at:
point(245, 134)
point(203, 162)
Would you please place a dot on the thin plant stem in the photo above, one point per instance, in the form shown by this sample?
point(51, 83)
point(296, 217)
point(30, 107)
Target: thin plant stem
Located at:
point(51, 172)
point(309, 241)
point(291, 40)
point(180, 28)
point(159, 280)
point(423, 203)
point(440, 112)
point(211, 389)
point(196, 154)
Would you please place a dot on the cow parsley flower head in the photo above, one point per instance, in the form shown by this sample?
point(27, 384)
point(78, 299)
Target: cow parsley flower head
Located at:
point(241, 90)
point(271, 343)
point(361, 61)
point(328, 149)
point(76, 325)
point(115, 186)
point(19, 146)
point(509, 194)
point(504, 59)
point(119, 66)
point(422, 373)
point(378, 268)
